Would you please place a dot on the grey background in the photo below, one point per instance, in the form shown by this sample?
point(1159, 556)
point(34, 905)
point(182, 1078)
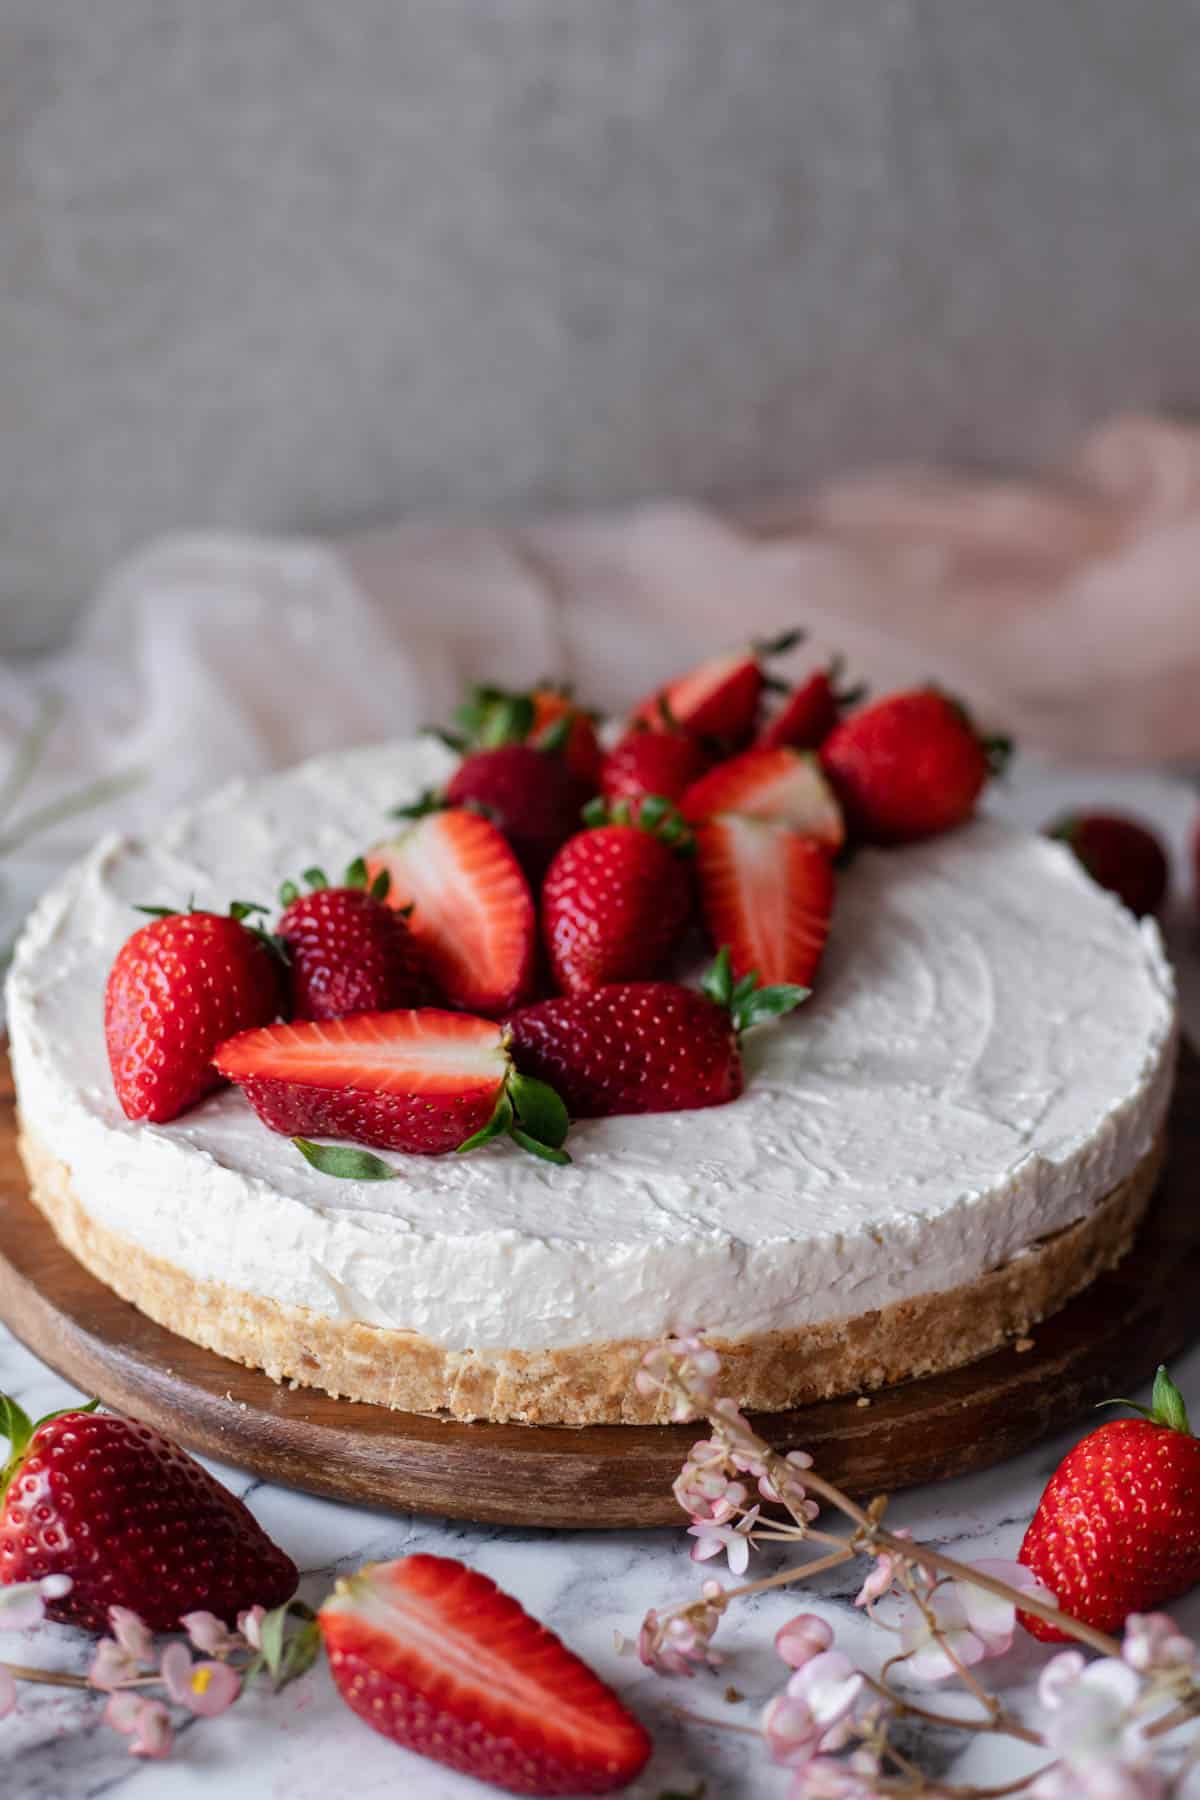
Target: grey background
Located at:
point(307, 264)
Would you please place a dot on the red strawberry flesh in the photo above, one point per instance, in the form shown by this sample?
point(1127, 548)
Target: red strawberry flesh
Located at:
point(767, 892)
point(434, 1656)
point(782, 784)
point(473, 913)
point(133, 1521)
point(422, 1081)
point(645, 763)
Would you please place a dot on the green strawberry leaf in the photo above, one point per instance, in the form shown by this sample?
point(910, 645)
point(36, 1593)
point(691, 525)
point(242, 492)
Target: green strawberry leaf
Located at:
point(356, 874)
point(381, 887)
point(342, 1160)
point(288, 892)
point(718, 979)
point(499, 1123)
point(767, 1003)
point(531, 1144)
point(244, 909)
point(158, 912)
point(539, 1109)
point(508, 719)
point(778, 646)
point(1167, 1404)
point(595, 813)
point(557, 735)
point(428, 802)
point(316, 877)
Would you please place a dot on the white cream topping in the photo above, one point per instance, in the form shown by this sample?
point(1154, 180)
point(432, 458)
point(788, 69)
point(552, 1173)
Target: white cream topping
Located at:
point(989, 1052)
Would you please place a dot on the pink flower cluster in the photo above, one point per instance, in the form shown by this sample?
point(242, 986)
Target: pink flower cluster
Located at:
point(128, 1660)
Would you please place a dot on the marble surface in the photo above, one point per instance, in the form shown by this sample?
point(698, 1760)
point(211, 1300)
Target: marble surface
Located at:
point(593, 1590)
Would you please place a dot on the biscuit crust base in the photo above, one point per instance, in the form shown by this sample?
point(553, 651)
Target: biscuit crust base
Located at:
point(591, 1384)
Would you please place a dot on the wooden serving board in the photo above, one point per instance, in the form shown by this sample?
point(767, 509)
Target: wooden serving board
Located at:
point(601, 1476)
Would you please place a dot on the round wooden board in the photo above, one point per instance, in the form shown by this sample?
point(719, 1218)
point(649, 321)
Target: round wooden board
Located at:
point(1106, 1341)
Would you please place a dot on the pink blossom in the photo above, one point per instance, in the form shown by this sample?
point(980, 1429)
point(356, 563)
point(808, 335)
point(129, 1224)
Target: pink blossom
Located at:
point(968, 1622)
point(679, 1644)
point(22, 1603)
point(123, 1710)
point(152, 1736)
point(8, 1692)
point(1094, 1730)
point(112, 1666)
point(207, 1633)
point(250, 1626)
point(814, 1712)
point(707, 1492)
point(802, 1638)
point(131, 1634)
point(203, 1687)
point(1153, 1641)
point(824, 1779)
point(711, 1539)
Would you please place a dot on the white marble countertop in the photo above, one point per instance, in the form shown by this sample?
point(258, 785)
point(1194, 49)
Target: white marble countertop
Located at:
point(589, 1588)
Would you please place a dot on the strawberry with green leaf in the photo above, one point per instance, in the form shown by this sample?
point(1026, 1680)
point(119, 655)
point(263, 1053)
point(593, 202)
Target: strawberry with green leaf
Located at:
point(719, 699)
point(178, 987)
point(617, 898)
point(348, 950)
point(647, 1046)
point(130, 1520)
point(421, 1081)
point(1117, 1530)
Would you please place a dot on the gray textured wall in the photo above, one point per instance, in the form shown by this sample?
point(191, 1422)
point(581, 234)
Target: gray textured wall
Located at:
point(308, 264)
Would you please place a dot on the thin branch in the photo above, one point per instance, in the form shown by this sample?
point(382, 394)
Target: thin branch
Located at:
point(785, 1577)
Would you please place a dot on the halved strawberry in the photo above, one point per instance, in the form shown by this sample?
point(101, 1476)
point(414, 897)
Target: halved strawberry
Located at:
point(472, 911)
point(767, 892)
point(782, 784)
point(424, 1081)
point(719, 698)
point(810, 712)
point(434, 1656)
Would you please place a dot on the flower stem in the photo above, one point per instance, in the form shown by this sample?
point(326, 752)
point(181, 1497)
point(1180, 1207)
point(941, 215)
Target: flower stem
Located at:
point(50, 1677)
point(800, 1572)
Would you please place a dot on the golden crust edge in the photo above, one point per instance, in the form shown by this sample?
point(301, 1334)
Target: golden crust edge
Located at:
point(593, 1384)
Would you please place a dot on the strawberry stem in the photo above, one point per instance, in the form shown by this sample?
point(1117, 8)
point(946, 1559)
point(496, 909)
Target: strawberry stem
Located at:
point(1167, 1406)
point(531, 1113)
point(765, 648)
point(657, 815)
point(746, 1002)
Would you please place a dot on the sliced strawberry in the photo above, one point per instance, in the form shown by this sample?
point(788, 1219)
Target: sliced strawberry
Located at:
point(782, 784)
point(767, 892)
point(718, 699)
point(434, 1656)
point(424, 1081)
point(810, 711)
point(472, 911)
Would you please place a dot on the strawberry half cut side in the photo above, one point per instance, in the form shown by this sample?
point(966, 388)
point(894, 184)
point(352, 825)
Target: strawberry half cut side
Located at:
point(767, 892)
point(717, 699)
point(782, 784)
point(472, 911)
point(435, 1657)
point(422, 1081)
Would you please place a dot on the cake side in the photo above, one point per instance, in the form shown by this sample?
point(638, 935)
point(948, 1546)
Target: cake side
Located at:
point(595, 1383)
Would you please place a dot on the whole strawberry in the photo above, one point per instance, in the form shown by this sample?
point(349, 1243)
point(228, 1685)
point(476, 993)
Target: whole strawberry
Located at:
point(646, 1046)
point(178, 987)
point(132, 1520)
point(348, 950)
point(530, 795)
point(1119, 853)
point(435, 1657)
point(547, 717)
point(645, 763)
point(910, 766)
point(1118, 1527)
point(617, 898)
